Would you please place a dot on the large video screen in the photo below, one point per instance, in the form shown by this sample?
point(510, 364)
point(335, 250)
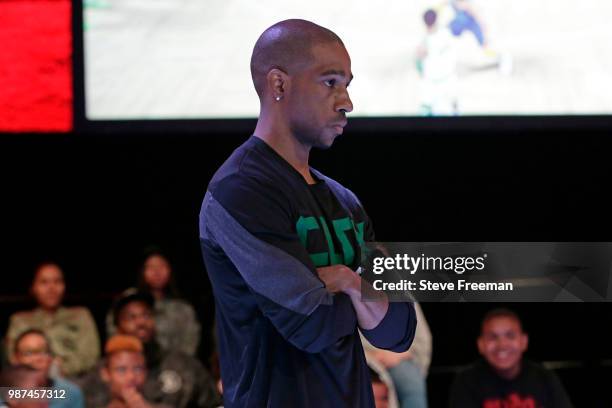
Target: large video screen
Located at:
point(189, 59)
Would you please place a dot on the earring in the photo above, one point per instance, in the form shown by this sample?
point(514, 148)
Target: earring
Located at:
point(278, 98)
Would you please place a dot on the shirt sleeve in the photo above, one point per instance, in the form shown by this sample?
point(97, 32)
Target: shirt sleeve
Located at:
point(16, 326)
point(396, 330)
point(88, 345)
point(251, 224)
point(190, 327)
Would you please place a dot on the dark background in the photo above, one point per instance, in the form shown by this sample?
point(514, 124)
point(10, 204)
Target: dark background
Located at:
point(94, 201)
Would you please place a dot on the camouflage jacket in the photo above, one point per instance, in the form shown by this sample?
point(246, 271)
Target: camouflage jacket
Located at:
point(72, 333)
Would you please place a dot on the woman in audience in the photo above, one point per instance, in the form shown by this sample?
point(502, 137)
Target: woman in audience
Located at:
point(176, 322)
point(71, 330)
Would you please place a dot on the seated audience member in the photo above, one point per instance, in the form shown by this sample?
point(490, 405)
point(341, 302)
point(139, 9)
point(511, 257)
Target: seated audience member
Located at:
point(382, 391)
point(177, 327)
point(408, 370)
point(504, 378)
point(71, 331)
point(382, 386)
point(32, 349)
point(174, 379)
point(124, 372)
point(20, 377)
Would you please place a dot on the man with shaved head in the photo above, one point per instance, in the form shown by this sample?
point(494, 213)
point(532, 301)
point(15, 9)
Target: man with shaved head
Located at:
point(282, 242)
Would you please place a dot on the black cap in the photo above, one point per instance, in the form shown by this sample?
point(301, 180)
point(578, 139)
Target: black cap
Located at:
point(128, 296)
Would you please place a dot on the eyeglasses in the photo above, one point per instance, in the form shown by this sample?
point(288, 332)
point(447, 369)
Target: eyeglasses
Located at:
point(34, 352)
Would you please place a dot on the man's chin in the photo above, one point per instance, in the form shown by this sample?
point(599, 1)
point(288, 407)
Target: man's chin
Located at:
point(505, 367)
point(326, 141)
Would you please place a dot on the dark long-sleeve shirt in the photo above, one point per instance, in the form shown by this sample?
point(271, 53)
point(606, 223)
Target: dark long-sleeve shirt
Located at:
point(284, 340)
point(480, 387)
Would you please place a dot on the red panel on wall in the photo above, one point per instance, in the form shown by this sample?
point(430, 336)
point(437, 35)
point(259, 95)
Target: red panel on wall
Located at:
point(35, 65)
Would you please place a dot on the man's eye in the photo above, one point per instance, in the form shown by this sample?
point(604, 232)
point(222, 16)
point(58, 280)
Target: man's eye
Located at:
point(330, 82)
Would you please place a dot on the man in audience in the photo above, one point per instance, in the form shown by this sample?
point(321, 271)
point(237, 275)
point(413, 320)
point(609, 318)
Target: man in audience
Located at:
point(174, 378)
point(32, 348)
point(504, 378)
point(125, 372)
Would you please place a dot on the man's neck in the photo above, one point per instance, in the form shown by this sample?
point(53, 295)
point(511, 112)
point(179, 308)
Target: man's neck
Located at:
point(511, 373)
point(158, 294)
point(282, 141)
point(49, 311)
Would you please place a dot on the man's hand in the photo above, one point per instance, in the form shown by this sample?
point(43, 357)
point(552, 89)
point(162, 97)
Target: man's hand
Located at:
point(339, 278)
point(134, 399)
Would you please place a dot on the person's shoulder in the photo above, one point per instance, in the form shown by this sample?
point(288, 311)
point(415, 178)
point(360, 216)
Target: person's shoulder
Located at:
point(77, 313)
point(538, 370)
point(250, 162)
point(235, 159)
point(70, 387)
point(347, 196)
point(177, 357)
point(176, 305)
point(22, 316)
point(252, 179)
point(180, 361)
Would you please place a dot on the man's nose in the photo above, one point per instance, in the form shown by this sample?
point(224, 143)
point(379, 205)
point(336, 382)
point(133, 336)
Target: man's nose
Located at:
point(502, 343)
point(140, 320)
point(130, 377)
point(344, 103)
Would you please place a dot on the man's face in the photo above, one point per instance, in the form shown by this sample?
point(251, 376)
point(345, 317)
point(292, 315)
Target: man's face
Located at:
point(123, 370)
point(48, 286)
point(136, 319)
point(502, 343)
point(319, 100)
point(381, 395)
point(33, 350)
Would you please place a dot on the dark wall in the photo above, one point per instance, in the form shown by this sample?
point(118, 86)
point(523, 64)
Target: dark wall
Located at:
point(95, 201)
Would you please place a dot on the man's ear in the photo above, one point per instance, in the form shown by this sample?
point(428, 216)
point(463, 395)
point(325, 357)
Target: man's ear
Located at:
point(278, 82)
point(524, 342)
point(104, 374)
point(480, 345)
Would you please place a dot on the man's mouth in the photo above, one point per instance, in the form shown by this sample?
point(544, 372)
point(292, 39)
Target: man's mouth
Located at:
point(339, 127)
point(502, 355)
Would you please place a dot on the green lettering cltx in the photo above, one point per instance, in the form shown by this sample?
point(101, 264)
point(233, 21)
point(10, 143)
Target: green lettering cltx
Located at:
point(341, 227)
